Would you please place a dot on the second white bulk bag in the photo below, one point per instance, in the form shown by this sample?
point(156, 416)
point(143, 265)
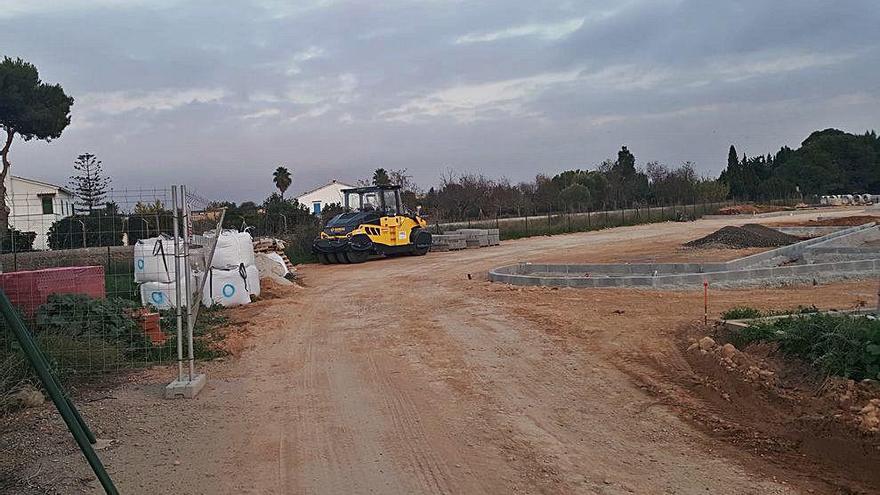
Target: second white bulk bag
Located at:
point(227, 287)
point(253, 280)
point(163, 296)
point(233, 249)
point(158, 294)
point(154, 260)
point(271, 263)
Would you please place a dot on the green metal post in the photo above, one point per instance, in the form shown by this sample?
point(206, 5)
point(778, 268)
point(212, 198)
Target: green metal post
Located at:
point(64, 406)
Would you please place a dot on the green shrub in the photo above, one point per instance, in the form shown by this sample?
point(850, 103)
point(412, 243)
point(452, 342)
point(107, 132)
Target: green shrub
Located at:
point(16, 241)
point(14, 371)
point(203, 340)
point(83, 317)
point(69, 355)
point(741, 313)
point(746, 312)
point(119, 280)
point(847, 346)
point(99, 228)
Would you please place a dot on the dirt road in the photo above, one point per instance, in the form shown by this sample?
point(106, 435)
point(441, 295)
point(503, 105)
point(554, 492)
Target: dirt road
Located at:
point(404, 376)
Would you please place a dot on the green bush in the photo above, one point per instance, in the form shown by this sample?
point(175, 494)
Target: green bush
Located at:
point(16, 241)
point(69, 355)
point(747, 312)
point(119, 281)
point(84, 317)
point(100, 229)
point(741, 313)
point(203, 339)
point(847, 346)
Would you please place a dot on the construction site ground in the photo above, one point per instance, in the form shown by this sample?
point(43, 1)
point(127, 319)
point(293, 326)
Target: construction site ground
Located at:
point(417, 375)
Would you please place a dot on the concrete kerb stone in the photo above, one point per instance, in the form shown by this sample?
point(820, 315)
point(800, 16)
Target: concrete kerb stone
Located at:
point(819, 271)
point(793, 250)
point(809, 231)
point(736, 325)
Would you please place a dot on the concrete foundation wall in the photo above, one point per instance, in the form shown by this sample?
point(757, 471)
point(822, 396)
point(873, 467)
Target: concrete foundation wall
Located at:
point(779, 274)
point(776, 266)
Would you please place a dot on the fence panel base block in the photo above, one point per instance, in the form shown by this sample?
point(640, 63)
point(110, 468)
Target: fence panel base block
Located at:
point(187, 389)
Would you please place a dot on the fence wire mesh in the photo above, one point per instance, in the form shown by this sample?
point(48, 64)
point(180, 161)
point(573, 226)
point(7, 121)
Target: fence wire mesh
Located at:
point(549, 222)
point(74, 274)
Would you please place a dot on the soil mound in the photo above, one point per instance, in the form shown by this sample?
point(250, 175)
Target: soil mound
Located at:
point(747, 236)
point(751, 209)
point(852, 221)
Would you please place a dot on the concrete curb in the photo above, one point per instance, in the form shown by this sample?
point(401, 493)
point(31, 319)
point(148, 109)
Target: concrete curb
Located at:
point(769, 267)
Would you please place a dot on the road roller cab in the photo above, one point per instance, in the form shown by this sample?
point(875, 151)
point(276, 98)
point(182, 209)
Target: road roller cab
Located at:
point(375, 222)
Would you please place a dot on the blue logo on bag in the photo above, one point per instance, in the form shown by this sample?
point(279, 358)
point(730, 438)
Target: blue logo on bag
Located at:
point(157, 297)
point(140, 264)
point(228, 290)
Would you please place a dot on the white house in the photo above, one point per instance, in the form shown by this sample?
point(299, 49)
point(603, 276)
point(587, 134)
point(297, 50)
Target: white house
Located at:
point(35, 205)
point(316, 199)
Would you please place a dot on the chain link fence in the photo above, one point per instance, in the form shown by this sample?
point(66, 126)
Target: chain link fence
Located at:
point(531, 223)
point(96, 286)
point(97, 304)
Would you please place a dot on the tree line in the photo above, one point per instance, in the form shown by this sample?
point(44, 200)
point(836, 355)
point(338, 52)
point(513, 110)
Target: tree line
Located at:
point(827, 162)
point(613, 184)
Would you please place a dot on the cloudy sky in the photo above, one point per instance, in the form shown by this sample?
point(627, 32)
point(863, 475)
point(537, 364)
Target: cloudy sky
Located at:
point(218, 96)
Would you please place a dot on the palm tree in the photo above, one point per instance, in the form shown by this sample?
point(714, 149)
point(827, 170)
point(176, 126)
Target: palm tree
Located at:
point(282, 180)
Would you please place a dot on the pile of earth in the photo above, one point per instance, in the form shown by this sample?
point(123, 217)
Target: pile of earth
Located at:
point(747, 236)
point(842, 221)
point(750, 209)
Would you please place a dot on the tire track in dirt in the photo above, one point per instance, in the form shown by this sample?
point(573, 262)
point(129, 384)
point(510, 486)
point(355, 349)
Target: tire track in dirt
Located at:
point(320, 444)
point(431, 471)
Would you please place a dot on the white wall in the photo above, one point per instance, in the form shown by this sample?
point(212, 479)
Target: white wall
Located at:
point(26, 207)
point(331, 193)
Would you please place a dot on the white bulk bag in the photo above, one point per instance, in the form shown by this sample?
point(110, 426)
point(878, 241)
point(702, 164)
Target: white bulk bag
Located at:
point(253, 280)
point(227, 287)
point(162, 295)
point(271, 263)
point(158, 294)
point(154, 260)
point(233, 249)
point(246, 248)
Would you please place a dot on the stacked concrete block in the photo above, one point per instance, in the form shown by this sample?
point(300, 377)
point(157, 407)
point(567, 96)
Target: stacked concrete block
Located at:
point(475, 238)
point(448, 242)
point(494, 237)
point(466, 238)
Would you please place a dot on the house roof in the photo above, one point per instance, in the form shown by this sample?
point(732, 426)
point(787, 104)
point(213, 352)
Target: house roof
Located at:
point(42, 183)
point(334, 182)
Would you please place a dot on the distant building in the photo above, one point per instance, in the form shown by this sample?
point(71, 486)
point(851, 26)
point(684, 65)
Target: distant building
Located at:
point(316, 199)
point(35, 205)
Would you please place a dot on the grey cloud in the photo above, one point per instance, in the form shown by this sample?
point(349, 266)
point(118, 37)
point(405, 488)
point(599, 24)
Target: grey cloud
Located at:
point(188, 90)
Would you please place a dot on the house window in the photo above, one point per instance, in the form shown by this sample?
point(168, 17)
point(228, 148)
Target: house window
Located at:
point(48, 207)
point(316, 207)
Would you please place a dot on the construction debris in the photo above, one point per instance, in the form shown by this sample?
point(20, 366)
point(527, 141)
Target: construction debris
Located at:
point(272, 245)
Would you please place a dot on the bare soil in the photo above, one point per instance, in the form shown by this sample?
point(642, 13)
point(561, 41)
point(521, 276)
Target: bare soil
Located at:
point(845, 221)
point(405, 375)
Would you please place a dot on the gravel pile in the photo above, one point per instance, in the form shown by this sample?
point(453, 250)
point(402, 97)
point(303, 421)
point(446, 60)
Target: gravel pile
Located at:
point(747, 236)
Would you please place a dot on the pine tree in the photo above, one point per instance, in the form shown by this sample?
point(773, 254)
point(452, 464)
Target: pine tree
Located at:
point(732, 160)
point(89, 184)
